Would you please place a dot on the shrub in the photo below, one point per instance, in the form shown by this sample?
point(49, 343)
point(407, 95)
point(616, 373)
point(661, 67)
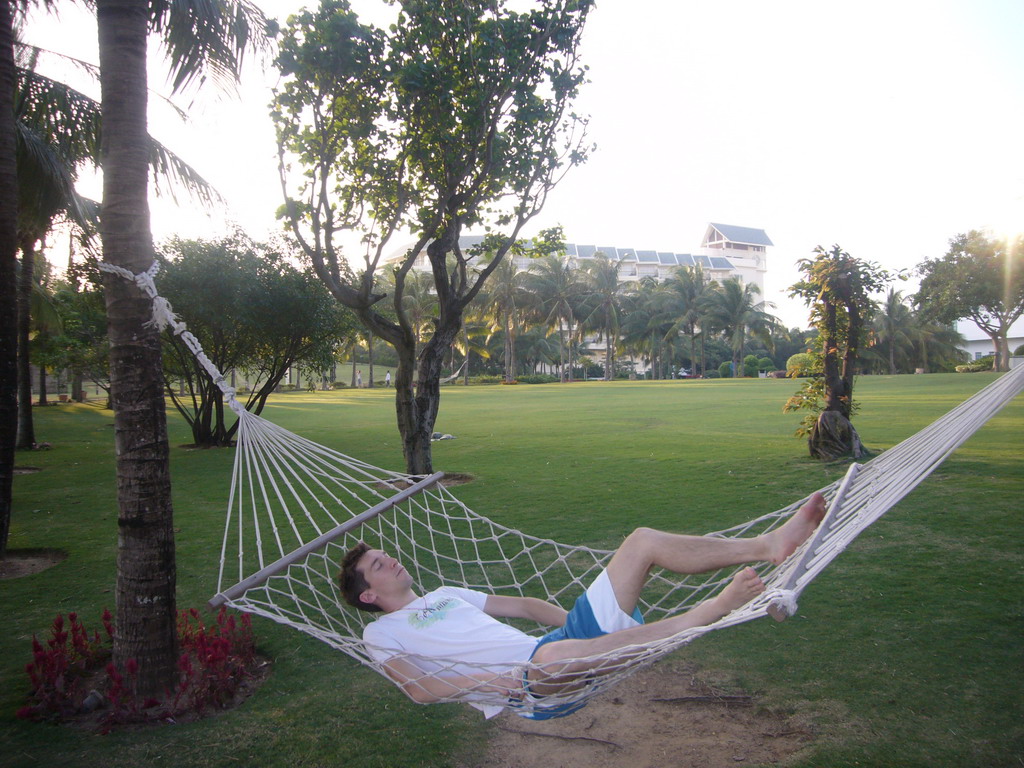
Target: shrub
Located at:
point(800, 364)
point(750, 366)
point(765, 364)
point(538, 378)
point(487, 379)
point(725, 370)
point(712, 375)
point(981, 364)
point(215, 662)
point(1019, 351)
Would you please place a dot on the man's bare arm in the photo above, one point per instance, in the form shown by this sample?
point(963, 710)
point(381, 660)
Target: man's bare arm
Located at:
point(428, 689)
point(506, 607)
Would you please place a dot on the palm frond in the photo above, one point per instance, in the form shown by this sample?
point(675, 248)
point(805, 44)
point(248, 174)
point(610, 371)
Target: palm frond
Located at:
point(207, 39)
point(46, 184)
point(176, 173)
point(68, 119)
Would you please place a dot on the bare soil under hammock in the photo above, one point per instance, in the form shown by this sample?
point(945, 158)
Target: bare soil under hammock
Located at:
point(695, 725)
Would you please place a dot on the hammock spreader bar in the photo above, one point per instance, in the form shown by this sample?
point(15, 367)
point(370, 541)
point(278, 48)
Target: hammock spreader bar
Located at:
point(314, 544)
point(784, 605)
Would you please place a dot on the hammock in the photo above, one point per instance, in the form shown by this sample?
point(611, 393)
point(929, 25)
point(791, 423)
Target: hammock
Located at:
point(296, 507)
point(454, 376)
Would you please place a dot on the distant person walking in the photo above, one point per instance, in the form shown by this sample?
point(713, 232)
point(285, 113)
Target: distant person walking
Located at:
point(359, 379)
point(387, 379)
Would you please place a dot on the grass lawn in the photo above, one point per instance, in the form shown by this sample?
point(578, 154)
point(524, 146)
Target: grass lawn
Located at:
point(906, 652)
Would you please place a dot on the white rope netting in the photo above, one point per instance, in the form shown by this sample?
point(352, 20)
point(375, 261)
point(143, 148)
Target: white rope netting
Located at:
point(296, 507)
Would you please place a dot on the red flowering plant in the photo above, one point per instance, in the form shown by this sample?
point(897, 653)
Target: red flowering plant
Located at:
point(60, 668)
point(216, 662)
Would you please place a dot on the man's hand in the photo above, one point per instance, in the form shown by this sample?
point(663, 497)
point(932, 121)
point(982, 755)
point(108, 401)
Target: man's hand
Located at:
point(510, 686)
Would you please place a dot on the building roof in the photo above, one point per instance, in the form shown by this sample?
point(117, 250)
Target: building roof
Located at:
point(739, 235)
point(744, 235)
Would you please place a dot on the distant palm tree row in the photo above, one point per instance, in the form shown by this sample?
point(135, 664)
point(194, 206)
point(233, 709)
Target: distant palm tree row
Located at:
point(555, 316)
point(903, 341)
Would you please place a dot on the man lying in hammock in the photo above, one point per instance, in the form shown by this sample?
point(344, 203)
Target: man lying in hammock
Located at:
point(435, 646)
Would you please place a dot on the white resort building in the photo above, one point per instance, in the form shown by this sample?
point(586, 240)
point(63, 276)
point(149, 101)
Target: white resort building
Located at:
point(726, 251)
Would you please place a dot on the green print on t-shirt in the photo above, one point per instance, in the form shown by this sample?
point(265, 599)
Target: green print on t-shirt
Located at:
point(433, 613)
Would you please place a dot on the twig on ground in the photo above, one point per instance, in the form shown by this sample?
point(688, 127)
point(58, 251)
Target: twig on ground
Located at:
point(564, 738)
point(729, 701)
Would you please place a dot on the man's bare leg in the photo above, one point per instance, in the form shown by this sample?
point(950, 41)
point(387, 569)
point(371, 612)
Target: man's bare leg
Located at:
point(564, 670)
point(646, 548)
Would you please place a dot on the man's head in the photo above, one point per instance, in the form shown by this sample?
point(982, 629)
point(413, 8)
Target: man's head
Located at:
point(371, 580)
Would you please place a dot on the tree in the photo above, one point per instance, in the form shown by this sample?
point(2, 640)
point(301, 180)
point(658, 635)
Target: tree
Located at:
point(456, 117)
point(649, 325)
point(200, 41)
point(733, 309)
point(937, 346)
point(980, 278)
point(507, 298)
point(837, 287)
point(57, 131)
point(557, 287)
point(473, 336)
point(602, 305)
point(251, 310)
point(8, 270)
point(891, 329)
point(38, 318)
point(690, 292)
point(789, 342)
point(85, 350)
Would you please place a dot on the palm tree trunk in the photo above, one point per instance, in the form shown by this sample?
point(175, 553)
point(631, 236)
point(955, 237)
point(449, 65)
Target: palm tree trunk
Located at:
point(26, 427)
point(608, 363)
point(8, 271)
point(145, 590)
point(561, 352)
point(509, 349)
point(693, 353)
point(369, 352)
point(572, 349)
point(42, 386)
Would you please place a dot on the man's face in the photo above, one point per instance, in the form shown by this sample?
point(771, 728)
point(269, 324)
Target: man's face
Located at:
point(384, 574)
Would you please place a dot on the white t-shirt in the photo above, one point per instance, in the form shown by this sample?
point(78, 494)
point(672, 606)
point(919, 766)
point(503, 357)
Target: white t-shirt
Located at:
point(446, 627)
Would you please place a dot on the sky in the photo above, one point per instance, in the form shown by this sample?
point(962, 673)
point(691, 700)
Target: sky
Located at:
point(884, 126)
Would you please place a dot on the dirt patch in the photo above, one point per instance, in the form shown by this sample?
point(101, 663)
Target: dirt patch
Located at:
point(456, 478)
point(661, 716)
point(27, 470)
point(25, 562)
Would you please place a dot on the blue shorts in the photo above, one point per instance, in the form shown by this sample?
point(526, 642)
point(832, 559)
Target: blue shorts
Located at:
point(595, 613)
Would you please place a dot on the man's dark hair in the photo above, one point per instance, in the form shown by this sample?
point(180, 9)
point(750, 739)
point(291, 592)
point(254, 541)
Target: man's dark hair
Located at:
point(351, 580)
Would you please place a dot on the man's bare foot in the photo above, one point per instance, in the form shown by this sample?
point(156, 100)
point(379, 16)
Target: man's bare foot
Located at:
point(744, 587)
point(784, 541)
